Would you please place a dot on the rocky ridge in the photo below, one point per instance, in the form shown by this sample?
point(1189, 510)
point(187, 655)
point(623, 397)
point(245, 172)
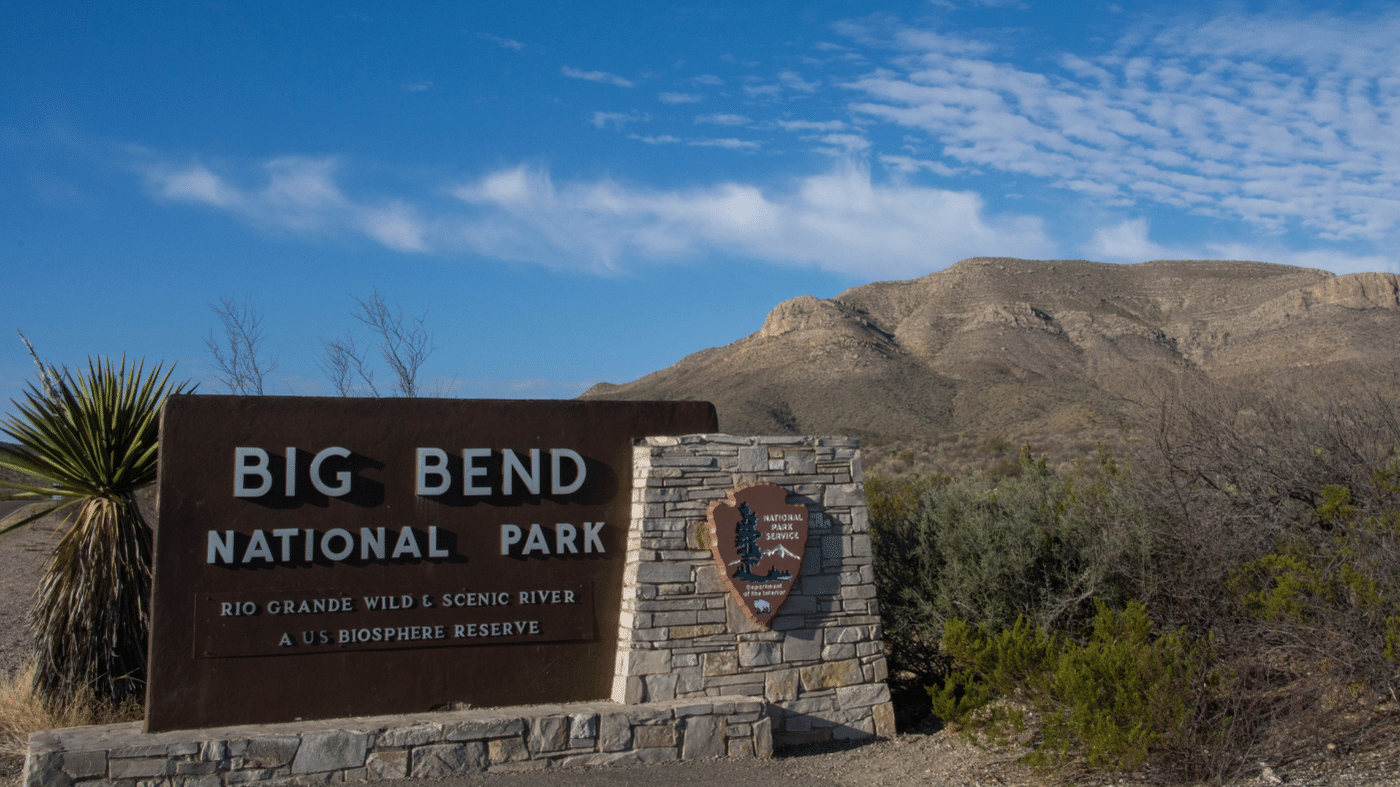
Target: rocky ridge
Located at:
point(1033, 347)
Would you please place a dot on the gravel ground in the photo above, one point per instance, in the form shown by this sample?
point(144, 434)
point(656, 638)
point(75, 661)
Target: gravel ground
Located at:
point(926, 756)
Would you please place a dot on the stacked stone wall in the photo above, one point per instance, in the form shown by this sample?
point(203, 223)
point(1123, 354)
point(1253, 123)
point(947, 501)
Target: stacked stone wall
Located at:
point(695, 676)
point(417, 746)
point(821, 665)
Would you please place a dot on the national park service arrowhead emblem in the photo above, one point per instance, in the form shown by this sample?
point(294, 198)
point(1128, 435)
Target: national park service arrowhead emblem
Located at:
point(758, 539)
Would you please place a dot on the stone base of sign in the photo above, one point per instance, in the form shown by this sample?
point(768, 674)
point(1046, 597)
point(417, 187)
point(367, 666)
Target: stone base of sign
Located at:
point(418, 746)
point(695, 678)
point(821, 665)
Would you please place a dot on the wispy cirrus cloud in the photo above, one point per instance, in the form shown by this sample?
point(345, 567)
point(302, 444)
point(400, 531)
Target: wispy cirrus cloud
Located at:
point(602, 77)
point(721, 119)
point(680, 98)
point(617, 119)
point(504, 43)
point(1280, 128)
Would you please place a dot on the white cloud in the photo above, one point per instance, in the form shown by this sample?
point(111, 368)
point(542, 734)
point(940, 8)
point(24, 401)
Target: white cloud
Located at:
point(602, 77)
point(839, 221)
point(724, 120)
point(762, 90)
point(729, 143)
point(1127, 242)
point(298, 195)
point(811, 125)
point(192, 183)
point(796, 82)
point(908, 165)
point(504, 43)
point(662, 139)
point(617, 119)
point(416, 87)
point(680, 98)
point(1336, 261)
point(708, 79)
point(1290, 125)
point(843, 144)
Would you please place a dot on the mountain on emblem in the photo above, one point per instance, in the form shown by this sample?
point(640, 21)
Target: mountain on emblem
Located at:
point(758, 540)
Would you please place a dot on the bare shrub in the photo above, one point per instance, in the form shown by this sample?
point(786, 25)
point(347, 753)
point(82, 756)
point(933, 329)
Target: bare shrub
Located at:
point(403, 344)
point(1278, 529)
point(239, 355)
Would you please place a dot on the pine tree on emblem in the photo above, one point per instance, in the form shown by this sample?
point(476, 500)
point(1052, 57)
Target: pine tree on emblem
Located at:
point(746, 538)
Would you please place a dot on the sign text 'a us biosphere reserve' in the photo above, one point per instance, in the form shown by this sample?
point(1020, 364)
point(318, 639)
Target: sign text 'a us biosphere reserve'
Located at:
point(318, 558)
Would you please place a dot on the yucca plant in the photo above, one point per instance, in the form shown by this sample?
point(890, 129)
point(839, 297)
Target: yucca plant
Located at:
point(88, 442)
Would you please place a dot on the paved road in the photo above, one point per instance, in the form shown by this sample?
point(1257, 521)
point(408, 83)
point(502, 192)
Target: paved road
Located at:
point(8, 507)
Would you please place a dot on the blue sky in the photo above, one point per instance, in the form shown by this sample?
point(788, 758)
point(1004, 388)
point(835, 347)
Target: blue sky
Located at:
point(584, 192)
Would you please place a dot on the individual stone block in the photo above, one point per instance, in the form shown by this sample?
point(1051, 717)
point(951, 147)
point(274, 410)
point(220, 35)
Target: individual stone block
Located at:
point(832, 674)
point(704, 738)
point(644, 662)
point(724, 662)
point(583, 727)
point(838, 652)
point(862, 696)
point(140, 768)
point(413, 735)
point(614, 732)
point(654, 736)
point(443, 760)
point(820, 584)
point(763, 737)
point(844, 495)
point(883, 716)
point(387, 765)
point(504, 750)
point(752, 460)
point(549, 733)
point(330, 751)
point(661, 688)
point(760, 654)
point(780, 685)
point(182, 749)
point(799, 462)
point(82, 764)
point(803, 645)
point(665, 573)
point(692, 632)
point(689, 680)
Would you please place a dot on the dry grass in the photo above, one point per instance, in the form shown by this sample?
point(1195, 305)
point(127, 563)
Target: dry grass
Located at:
point(22, 713)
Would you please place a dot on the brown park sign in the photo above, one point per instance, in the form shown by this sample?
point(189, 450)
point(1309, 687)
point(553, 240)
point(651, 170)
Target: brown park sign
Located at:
point(758, 540)
point(318, 558)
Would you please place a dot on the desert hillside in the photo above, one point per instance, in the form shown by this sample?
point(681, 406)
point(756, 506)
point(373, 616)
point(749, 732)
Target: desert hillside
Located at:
point(1066, 353)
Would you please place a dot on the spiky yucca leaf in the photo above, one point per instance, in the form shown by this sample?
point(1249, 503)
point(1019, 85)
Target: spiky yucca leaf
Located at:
point(93, 445)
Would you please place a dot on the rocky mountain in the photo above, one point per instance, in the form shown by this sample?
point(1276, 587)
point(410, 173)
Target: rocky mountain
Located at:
point(1025, 349)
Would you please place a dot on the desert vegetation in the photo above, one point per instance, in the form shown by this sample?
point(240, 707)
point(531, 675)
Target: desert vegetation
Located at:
point(85, 443)
point(1222, 588)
